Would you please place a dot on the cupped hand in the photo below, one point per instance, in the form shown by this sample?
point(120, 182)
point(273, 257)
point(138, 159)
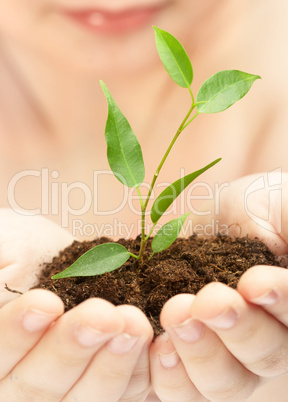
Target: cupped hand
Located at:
point(94, 352)
point(223, 344)
point(254, 205)
point(26, 242)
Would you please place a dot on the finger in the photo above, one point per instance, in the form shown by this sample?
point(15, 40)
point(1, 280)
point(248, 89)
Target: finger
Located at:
point(252, 335)
point(210, 366)
point(267, 287)
point(23, 322)
point(139, 384)
point(62, 355)
point(115, 365)
point(168, 375)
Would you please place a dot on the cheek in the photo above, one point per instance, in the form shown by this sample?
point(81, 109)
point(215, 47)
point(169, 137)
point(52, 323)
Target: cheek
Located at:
point(17, 18)
point(32, 28)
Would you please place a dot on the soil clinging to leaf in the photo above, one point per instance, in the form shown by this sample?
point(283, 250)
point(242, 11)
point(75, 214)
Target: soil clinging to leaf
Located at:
point(185, 267)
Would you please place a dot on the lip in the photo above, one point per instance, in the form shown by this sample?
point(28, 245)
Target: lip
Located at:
point(111, 22)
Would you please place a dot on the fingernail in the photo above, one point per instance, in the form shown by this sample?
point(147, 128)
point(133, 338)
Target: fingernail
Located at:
point(267, 299)
point(88, 336)
point(34, 320)
point(169, 360)
point(224, 320)
point(190, 330)
point(122, 343)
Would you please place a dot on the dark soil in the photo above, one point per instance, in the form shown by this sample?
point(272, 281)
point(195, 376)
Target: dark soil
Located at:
point(185, 267)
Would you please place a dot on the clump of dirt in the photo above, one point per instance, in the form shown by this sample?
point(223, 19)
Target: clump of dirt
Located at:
point(185, 267)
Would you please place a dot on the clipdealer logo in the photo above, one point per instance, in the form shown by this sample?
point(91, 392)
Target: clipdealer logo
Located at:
point(57, 196)
point(263, 201)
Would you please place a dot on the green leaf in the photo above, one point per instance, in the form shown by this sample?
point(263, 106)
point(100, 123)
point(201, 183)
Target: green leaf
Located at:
point(103, 258)
point(168, 233)
point(223, 89)
point(165, 199)
point(123, 149)
point(174, 58)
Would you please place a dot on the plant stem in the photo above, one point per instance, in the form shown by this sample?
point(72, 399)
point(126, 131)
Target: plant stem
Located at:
point(134, 255)
point(192, 118)
point(151, 231)
point(143, 240)
point(182, 126)
point(140, 197)
point(142, 247)
point(150, 256)
point(178, 132)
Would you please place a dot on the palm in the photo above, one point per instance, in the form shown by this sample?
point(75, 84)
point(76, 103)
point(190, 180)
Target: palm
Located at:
point(253, 205)
point(26, 242)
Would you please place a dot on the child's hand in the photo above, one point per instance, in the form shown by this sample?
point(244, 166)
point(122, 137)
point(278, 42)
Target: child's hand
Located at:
point(255, 205)
point(94, 352)
point(221, 345)
point(26, 242)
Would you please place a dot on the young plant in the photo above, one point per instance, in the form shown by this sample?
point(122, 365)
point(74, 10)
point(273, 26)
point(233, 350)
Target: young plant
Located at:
point(125, 158)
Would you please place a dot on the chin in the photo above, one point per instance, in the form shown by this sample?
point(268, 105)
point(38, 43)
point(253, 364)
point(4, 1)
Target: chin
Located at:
point(119, 57)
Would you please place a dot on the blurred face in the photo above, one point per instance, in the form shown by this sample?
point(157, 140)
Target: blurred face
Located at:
point(98, 35)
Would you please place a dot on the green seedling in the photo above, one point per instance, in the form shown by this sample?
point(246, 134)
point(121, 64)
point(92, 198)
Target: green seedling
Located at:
point(125, 158)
